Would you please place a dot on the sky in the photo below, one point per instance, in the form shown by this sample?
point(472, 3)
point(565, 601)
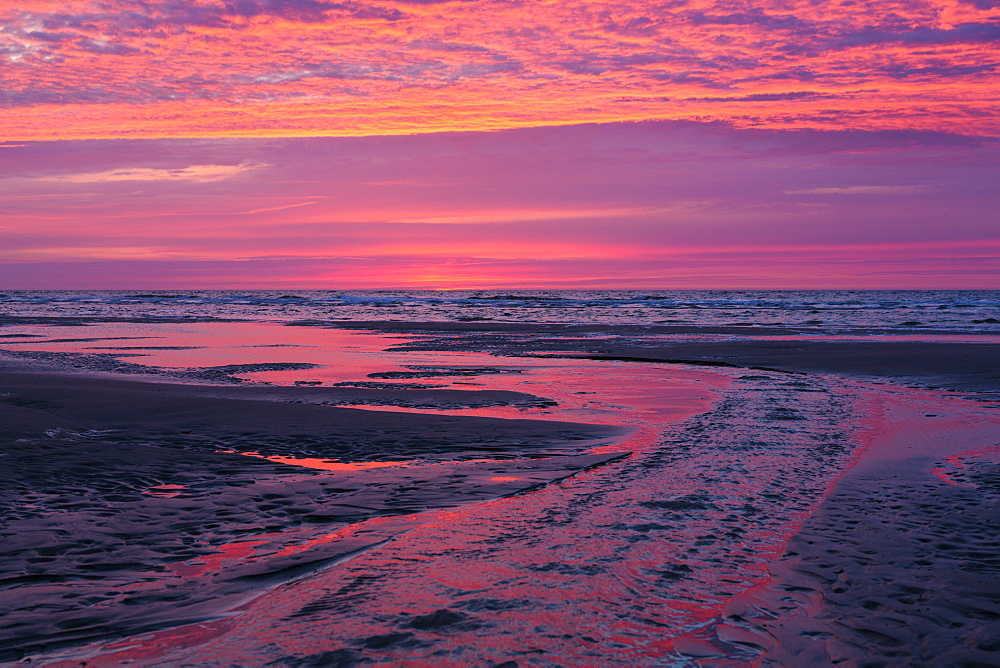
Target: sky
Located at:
point(492, 144)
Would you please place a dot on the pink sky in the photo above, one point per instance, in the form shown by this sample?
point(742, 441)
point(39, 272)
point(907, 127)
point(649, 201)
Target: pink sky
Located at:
point(312, 144)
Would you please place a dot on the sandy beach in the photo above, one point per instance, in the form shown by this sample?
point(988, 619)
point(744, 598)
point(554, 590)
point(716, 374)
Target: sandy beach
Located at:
point(899, 564)
point(163, 517)
point(110, 483)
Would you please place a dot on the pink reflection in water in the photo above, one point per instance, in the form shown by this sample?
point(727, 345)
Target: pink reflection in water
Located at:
point(955, 463)
point(319, 464)
point(603, 568)
point(166, 491)
point(225, 554)
point(350, 354)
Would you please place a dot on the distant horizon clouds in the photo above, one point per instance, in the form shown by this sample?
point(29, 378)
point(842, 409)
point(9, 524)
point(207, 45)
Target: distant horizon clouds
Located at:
point(77, 69)
point(644, 205)
point(195, 173)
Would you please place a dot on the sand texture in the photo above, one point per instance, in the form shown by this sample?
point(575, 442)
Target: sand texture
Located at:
point(121, 514)
point(899, 565)
point(824, 508)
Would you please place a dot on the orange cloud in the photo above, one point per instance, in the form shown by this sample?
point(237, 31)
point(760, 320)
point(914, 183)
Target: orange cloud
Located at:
point(859, 190)
point(205, 68)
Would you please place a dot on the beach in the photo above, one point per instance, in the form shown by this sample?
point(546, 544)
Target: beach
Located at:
point(439, 333)
point(100, 504)
point(475, 493)
point(899, 563)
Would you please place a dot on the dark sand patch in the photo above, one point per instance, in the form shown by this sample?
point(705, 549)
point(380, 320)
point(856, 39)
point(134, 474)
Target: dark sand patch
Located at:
point(375, 385)
point(76, 340)
point(341, 394)
point(971, 367)
point(899, 565)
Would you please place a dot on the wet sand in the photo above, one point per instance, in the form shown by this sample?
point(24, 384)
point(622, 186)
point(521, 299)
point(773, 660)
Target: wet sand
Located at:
point(120, 498)
point(898, 566)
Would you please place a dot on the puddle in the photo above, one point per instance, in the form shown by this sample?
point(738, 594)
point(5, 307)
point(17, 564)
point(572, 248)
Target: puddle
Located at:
point(952, 467)
point(166, 491)
point(320, 464)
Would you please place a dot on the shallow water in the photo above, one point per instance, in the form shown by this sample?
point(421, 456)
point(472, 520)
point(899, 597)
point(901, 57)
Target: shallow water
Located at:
point(607, 567)
point(268, 352)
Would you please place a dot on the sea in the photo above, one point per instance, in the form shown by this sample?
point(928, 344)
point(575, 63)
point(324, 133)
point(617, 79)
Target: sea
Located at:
point(827, 310)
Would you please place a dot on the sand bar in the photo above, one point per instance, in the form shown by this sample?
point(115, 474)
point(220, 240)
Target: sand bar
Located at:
point(899, 565)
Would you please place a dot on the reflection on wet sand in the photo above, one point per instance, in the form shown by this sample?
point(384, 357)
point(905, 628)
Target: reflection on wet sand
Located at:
point(320, 464)
point(523, 538)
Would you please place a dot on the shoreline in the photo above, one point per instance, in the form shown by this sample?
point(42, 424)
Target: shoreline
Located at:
point(809, 612)
point(120, 492)
point(960, 366)
point(970, 365)
point(898, 564)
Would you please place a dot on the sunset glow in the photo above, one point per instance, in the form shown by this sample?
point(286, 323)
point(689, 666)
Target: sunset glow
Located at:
point(207, 68)
point(198, 143)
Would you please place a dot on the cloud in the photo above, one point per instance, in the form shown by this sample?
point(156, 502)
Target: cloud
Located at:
point(276, 208)
point(969, 33)
point(251, 68)
point(937, 72)
point(105, 47)
point(767, 97)
point(751, 18)
point(298, 10)
point(522, 216)
point(860, 190)
point(919, 36)
point(194, 173)
point(431, 2)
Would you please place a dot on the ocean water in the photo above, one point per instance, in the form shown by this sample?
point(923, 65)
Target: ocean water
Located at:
point(827, 310)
